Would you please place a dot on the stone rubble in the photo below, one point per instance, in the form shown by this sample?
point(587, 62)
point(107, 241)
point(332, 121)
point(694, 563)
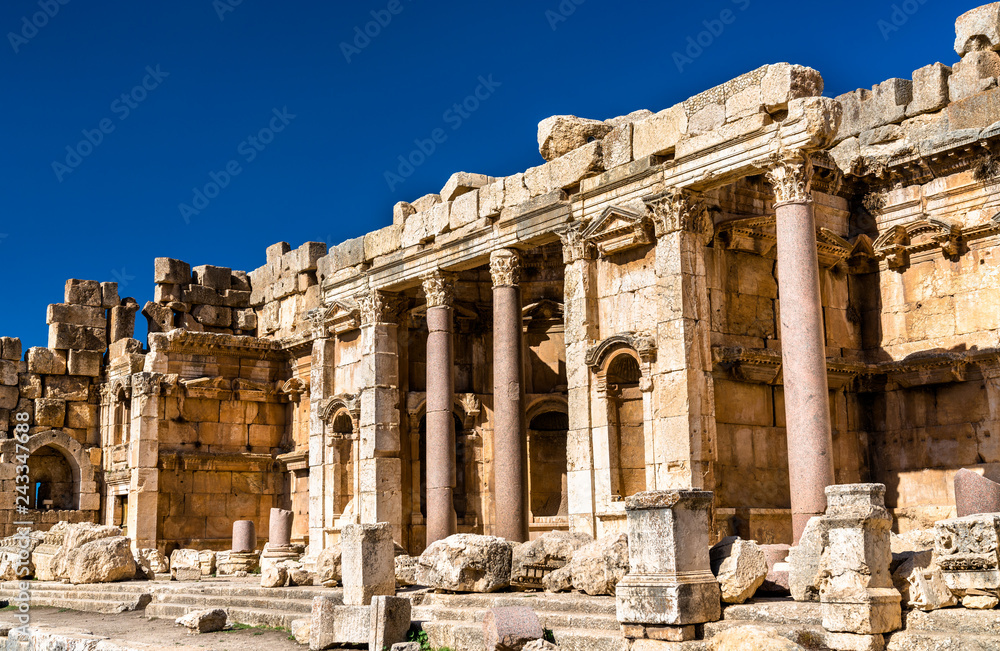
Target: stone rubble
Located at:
point(740, 566)
point(466, 563)
point(204, 621)
point(511, 628)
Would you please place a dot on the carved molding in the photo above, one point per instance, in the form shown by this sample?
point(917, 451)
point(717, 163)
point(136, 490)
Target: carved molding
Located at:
point(439, 288)
point(293, 389)
point(642, 344)
point(346, 401)
point(758, 235)
point(679, 210)
point(376, 306)
point(505, 268)
point(336, 318)
point(619, 229)
point(898, 243)
point(575, 247)
point(790, 174)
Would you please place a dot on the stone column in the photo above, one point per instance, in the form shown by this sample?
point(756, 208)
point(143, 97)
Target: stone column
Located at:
point(379, 467)
point(321, 377)
point(440, 459)
point(580, 303)
point(510, 453)
point(143, 456)
point(803, 347)
point(670, 585)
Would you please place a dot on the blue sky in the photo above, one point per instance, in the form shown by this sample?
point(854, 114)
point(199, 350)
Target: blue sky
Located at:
point(169, 93)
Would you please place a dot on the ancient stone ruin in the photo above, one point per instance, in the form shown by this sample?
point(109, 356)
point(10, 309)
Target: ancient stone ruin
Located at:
point(761, 319)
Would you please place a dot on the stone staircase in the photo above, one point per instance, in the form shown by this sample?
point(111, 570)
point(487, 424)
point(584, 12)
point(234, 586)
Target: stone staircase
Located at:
point(99, 598)
point(948, 629)
point(578, 622)
point(246, 604)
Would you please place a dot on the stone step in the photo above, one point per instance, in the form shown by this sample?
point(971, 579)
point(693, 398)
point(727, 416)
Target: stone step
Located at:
point(941, 641)
point(958, 620)
point(537, 601)
point(222, 601)
point(121, 604)
point(776, 611)
point(468, 636)
point(271, 618)
point(811, 636)
point(549, 619)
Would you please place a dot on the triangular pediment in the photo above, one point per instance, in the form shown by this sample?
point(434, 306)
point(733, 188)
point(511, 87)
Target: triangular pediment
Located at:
point(618, 229)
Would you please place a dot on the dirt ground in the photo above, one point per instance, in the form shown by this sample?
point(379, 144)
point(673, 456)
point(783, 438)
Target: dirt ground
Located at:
point(163, 633)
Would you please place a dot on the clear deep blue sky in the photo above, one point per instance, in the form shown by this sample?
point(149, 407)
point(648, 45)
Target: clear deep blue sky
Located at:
point(106, 215)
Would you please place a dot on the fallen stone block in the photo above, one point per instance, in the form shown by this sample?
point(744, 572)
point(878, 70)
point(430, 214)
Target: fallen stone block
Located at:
point(804, 561)
point(406, 570)
point(466, 563)
point(560, 134)
point(740, 567)
point(273, 575)
point(102, 561)
point(598, 567)
point(511, 628)
point(150, 562)
point(185, 565)
point(334, 624)
point(390, 621)
point(980, 601)
point(301, 629)
point(553, 549)
point(975, 494)
point(560, 580)
point(328, 566)
point(367, 562)
point(928, 591)
point(968, 551)
point(204, 621)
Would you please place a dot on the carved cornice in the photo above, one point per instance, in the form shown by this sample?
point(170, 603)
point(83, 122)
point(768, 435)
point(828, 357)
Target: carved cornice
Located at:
point(758, 235)
point(293, 389)
point(337, 318)
point(377, 306)
point(642, 344)
point(898, 243)
point(790, 175)
point(347, 401)
point(679, 210)
point(619, 229)
point(439, 288)
point(505, 268)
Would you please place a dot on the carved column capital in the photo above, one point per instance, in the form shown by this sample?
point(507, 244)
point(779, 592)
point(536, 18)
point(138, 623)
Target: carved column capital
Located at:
point(505, 267)
point(439, 288)
point(575, 247)
point(679, 210)
point(790, 174)
point(377, 306)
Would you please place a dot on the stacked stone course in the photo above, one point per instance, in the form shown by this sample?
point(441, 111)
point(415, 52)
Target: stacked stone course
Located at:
point(202, 299)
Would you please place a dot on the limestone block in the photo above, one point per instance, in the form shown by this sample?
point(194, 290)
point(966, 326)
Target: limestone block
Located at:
point(49, 412)
point(121, 324)
point(240, 281)
point(102, 561)
point(204, 621)
point(617, 146)
point(347, 254)
point(9, 399)
point(560, 580)
point(707, 118)
point(81, 415)
point(235, 298)
point(307, 256)
point(273, 575)
point(785, 82)
point(885, 104)
point(903, 565)
point(245, 320)
point(510, 628)
point(437, 220)
point(464, 210)
point(150, 562)
point(30, 386)
point(328, 566)
point(976, 112)
point(414, 231)
point(79, 534)
point(300, 630)
point(967, 551)
point(539, 645)
point(160, 318)
point(565, 171)
point(406, 569)
point(978, 29)
point(491, 199)
point(401, 211)
point(8, 373)
point(389, 621)
point(804, 561)
point(333, 624)
point(928, 590)
point(383, 241)
point(170, 271)
point(975, 73)
point(10, 349)
point(67, 387)
point(740, 566)
point(930, 89)
point(83, 292)
point(217, 278)
point(466, 563)
point(560, 134)
point(211, 315)
point(83, 315)
point(751, 638)
point(276, 250)
point(207, 559)
point(202, 295)
point(980, 601)
point(85, 363)
point(109, 295)
point(514, 191)
point(367, 562)
point(660, 133)
point(597, 567)
point(63, 336)
point(426, 202)
point(554, 549)
point(185, 565)
point(462, 183)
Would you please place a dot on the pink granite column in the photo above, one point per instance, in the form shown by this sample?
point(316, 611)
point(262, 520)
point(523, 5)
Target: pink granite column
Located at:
point(803, 346)
point(510, 468)
point(440, 459)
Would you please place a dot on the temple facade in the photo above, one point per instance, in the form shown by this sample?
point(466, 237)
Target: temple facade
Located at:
point(758, 292)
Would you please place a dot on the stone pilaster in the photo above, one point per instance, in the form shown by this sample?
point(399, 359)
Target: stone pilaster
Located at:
point(679, 381)
point(380, 469)
point(321, 387)
point(143, 456)
point(510, 464)
point(803, 349)
point(441, 471)
point(580, 314)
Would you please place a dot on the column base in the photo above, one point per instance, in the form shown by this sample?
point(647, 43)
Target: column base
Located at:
point(880, 613)
point(669, 600)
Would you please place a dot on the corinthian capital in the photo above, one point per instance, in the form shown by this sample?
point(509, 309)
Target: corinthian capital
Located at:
point(679, 210)
point(378, 307)
point(790, 174)
point(505, 267)
point(439, 288)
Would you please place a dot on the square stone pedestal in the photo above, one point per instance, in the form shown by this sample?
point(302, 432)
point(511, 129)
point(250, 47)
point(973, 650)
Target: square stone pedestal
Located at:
point(670, 581)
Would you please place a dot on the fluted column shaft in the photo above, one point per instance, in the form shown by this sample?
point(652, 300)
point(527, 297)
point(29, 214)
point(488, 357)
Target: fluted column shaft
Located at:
point(510, 467)
point(441, 519)
point(803, 346)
